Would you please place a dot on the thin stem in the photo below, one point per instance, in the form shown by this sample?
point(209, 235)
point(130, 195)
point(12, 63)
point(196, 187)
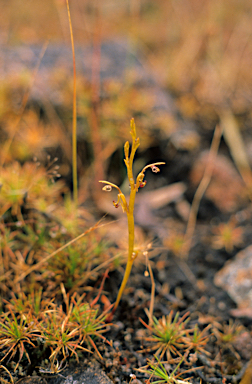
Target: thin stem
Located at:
point(123, 284)
point(152, 165)
point(131, 232)
point(111, 184)
point(74, 128)
point(131, 241)
point(95, 95)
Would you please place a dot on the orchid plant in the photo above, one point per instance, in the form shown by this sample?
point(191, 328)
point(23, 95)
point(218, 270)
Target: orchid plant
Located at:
point(128, 207)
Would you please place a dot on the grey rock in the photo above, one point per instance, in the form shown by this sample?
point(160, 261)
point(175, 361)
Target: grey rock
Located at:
point(115, 59)
point(82, 375)
point(236, 278)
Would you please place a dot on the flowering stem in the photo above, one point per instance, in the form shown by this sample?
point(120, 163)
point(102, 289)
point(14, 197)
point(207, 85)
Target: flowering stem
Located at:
point(129, 207)
point(130, 214)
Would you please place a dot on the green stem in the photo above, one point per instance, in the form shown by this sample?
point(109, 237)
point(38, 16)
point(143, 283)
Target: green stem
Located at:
point(131, 238)
point(124, 282)
point(129, 208)
point(131, 241)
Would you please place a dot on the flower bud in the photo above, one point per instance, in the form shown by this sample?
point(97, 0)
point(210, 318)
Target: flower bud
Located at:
point(107, 188)
point(143, 184)
point(126, 149)
point(155, 169)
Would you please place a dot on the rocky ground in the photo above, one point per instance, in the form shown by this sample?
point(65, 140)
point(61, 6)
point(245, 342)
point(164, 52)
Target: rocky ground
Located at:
point(213, 283)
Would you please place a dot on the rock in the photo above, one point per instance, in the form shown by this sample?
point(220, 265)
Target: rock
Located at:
point(116, 60)
point(236, 278)
point(226, 186)
point(80, 375)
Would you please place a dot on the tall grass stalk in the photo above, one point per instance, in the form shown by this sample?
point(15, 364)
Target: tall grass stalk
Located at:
point(74, 127)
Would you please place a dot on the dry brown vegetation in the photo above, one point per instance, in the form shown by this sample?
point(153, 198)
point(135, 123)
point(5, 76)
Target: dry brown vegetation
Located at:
point(55, 257)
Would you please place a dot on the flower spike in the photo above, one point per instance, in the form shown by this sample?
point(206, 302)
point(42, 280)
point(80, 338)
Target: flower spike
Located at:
point(129, 207)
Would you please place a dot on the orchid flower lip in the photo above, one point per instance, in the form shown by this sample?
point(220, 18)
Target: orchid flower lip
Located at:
point(142, 184)
point(116, 204)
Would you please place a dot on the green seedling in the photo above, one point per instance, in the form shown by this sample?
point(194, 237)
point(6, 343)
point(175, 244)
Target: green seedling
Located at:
point(15, 335)
point(59, 334)
point(168, 335)
point(128, 207)
point(227, 335)
point(228, 235)
point(157, 370)
point(198, 340)
point(91, 325)
point(30, 306)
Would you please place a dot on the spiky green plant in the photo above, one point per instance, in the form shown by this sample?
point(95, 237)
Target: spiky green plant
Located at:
point(198, 339)
point(168, 334)
point(157, 370)
point(60, 335)
point(15, 335)
point(91, 325)
point(128, 207)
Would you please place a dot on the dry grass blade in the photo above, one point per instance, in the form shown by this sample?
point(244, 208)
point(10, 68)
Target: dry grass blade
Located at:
point(200, 192)
point(95, 97)
point(232, 135)
point(3, 367)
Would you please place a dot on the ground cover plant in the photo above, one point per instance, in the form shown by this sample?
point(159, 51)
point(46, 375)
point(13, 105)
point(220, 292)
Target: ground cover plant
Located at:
point(61, 260)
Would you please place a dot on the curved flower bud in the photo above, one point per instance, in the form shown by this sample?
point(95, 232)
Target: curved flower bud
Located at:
point(124, 202)
point(155, 169)
point(107, 188)
point(139, 180)
point(126, 149)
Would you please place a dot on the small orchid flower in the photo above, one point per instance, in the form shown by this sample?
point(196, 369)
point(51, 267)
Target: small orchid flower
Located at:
point(128, 207)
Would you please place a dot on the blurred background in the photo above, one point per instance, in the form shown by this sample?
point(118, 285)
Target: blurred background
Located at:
point(178, 67)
